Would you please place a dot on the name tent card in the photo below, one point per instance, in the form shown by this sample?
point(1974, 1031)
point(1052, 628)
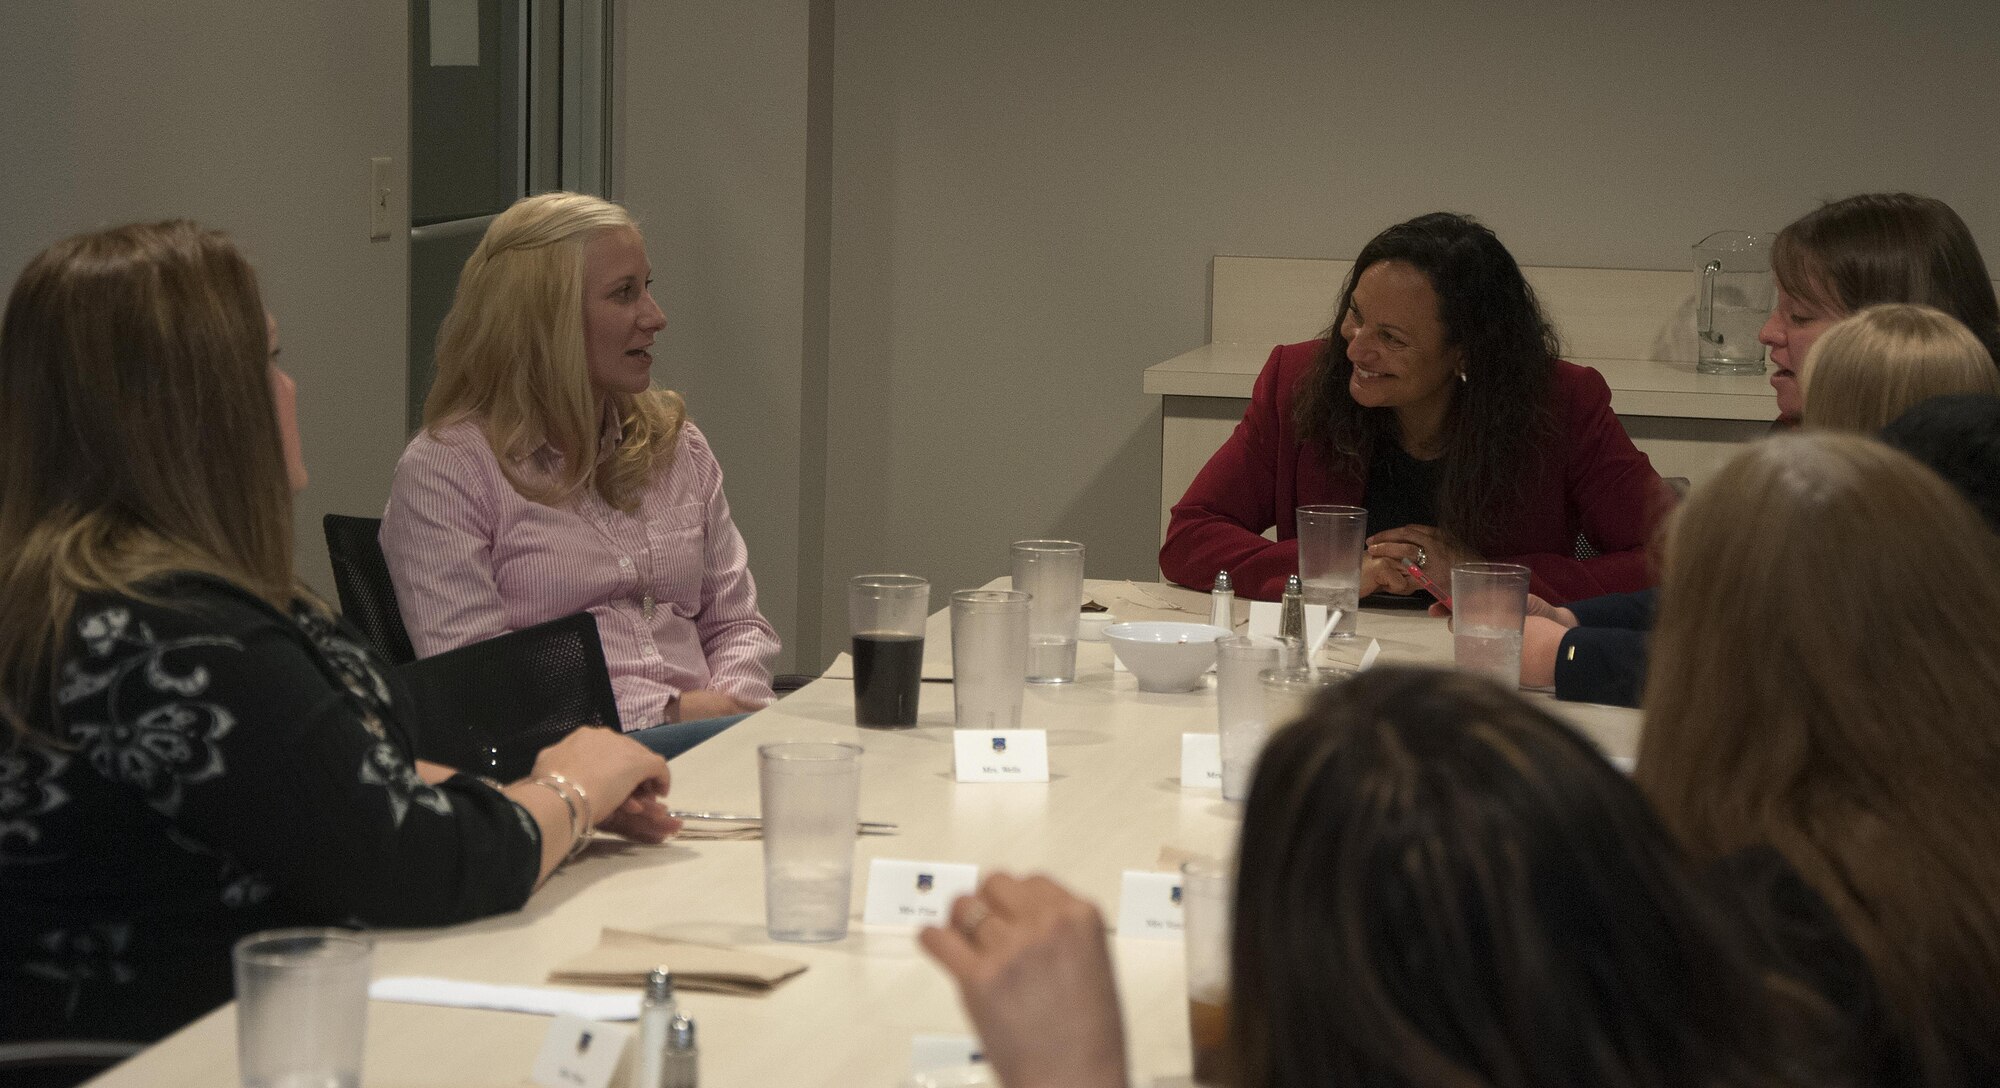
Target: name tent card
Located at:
point(939, 1053)
point(1201, 761)
point(1001, 755)
point(915, 893)
point(1264, 617)
point(1149, 905)
point(579, 1053)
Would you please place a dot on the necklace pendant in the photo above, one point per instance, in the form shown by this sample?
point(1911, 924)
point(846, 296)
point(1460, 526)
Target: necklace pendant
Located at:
point(646, 605)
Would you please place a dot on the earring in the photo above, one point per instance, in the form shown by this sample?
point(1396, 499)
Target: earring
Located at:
point(1461, 375)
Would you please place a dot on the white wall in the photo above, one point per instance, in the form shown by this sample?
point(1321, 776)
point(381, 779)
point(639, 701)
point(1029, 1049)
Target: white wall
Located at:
point(258, 118)
point(713, 163)
point(1026, 196)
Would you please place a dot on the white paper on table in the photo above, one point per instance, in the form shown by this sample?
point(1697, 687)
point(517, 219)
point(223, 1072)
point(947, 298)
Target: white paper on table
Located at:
point(935, 1053)
point(579, 1053)
point(1264, 617)
point(1000, 755)
point(539, 1000)
point(1201, 761)
point(915, 893)
point(1149, 906)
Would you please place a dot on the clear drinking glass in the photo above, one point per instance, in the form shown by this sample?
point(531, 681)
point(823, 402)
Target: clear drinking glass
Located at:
point(1239, 704)
point(1331, 540)
point(301, 1007)
point(1288, 693)
point(811, 795)
point(1052, 572)
point(885, 615)
point(989, 657)
point(1205, 893)
point(1489, 602)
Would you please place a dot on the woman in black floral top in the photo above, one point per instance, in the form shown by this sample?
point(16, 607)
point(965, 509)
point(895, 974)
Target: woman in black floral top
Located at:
point(193, 749)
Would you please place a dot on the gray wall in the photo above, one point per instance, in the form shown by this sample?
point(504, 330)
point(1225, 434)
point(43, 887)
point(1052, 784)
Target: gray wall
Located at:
point(915, 256)
point(1025, 197)
point(258, 118)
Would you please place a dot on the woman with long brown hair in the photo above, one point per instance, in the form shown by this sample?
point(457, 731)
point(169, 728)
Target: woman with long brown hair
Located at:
point(1801, 701)
point(1437, 401)
point(193, 748)
point(1438, 884)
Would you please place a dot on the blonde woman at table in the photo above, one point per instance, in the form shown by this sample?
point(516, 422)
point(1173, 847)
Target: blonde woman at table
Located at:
point(1863, 250)
point(1437, 884)
point(551, 478)
point(1872, 367)
point(194, 749)
point(1436, 400)
point(1808, 712)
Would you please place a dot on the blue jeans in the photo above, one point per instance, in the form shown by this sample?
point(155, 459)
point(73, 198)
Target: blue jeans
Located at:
point(673, 738)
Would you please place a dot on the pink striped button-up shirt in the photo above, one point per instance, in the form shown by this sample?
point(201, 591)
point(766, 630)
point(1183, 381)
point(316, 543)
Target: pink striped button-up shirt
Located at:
point(471, 559)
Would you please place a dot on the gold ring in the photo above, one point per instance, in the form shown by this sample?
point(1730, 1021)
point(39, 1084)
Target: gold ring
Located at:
point(974, 914)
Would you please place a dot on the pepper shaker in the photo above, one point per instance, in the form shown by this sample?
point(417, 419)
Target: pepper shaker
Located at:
point(1292, 610)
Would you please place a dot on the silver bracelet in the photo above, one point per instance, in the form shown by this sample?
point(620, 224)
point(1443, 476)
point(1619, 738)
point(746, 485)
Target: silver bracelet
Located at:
point(589, 817)
point(558, 785)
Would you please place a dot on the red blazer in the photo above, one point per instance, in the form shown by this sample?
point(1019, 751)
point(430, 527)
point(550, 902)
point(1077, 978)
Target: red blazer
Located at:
point(1591, 481)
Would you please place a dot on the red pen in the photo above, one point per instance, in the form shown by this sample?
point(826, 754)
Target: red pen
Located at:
point(1430, 587)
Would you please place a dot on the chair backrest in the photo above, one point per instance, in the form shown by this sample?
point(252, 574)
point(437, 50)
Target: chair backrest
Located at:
point(361, 578)
point(489, 707)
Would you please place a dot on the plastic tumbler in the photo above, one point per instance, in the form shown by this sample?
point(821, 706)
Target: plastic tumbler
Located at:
point(811, 793)
point(1239, 704)
point(1489, 603)
point(1205, 894)
point(885, 615)
point(1331, 540)
point(1289, 693)
point(301, 1006)
point(1052, 572)
point(989, 657)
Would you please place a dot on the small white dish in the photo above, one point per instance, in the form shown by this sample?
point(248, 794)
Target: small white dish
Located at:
point(1090, 625)
point(1165, 656)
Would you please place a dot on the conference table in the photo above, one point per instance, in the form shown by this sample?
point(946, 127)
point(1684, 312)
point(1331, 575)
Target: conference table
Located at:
point(1113, 802)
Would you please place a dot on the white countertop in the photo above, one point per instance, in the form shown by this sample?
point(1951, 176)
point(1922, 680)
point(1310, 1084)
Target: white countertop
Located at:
point(1639, 387)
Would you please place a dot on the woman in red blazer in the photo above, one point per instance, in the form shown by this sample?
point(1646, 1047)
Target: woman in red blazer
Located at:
point(1440, 405)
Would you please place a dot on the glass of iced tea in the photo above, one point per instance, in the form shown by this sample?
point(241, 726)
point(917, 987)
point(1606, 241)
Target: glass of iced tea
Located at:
point(1206, 886)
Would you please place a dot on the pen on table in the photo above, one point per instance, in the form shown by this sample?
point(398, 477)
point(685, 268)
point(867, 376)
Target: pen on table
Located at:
point(1430, 587)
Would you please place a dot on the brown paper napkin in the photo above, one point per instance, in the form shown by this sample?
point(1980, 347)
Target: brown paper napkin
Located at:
point(624, 958)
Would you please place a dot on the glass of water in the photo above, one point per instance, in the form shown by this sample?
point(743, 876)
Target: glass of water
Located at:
point(1331, 540)
point(811, 794)
point(989, 657)
point(1489, 603)
point(1052, 572)
point(301, 1007)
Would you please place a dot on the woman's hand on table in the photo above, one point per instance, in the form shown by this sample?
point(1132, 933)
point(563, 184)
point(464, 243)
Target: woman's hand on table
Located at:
point(1034, 971)
point(1547, 611)
point(703, 703)
point(625, 781)
point(1390, 552)
point(1541, 640)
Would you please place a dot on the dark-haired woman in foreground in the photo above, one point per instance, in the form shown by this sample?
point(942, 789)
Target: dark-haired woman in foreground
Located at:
point(193, 749)
point(1439, 404)
point(1437, 884)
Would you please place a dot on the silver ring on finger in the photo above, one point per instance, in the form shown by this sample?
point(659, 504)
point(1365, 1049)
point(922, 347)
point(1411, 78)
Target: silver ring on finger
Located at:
point(1423, 557)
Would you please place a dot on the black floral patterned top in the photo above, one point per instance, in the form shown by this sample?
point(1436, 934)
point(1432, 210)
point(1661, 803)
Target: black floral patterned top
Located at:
point(228, 769)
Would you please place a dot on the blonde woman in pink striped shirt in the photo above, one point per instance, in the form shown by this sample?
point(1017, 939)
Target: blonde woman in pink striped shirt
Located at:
point(551, 478)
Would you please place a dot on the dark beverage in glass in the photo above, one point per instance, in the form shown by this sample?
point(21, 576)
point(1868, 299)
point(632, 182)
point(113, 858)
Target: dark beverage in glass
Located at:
point(1208, 1034)
point(888, 675)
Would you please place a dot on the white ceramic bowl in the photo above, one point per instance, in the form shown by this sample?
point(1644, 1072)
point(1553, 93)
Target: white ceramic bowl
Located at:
point(1165, 656)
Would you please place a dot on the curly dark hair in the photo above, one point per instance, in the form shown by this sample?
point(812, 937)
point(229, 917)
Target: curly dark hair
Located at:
point(1498, 415)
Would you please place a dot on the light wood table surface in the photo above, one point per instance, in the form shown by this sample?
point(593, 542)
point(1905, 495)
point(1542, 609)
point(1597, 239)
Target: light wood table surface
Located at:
point(1114, 800)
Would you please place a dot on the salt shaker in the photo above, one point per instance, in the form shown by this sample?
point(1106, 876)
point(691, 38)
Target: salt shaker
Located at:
point(681, 1068)
point(1222, 602)
point(657, 1013)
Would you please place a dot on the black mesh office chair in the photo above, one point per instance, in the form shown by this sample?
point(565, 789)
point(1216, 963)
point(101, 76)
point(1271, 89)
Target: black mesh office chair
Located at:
point(489, 707)
point(361, 578)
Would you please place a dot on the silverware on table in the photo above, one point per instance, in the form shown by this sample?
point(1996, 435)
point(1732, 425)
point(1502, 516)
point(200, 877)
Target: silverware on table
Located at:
point(867, 827)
